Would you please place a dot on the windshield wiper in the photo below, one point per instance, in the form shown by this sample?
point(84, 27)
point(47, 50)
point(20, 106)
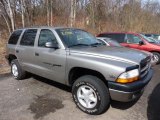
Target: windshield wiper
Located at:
point(78, 45)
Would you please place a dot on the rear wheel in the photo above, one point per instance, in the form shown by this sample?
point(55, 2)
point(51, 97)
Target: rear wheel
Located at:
point(91, 95)
point(16, 70)
point(156, 57)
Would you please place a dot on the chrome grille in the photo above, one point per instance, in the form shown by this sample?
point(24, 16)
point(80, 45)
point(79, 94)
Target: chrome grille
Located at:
point(145, 67)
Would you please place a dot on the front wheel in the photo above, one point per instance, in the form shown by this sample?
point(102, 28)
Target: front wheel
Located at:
point(91, 95)
point(156, 57)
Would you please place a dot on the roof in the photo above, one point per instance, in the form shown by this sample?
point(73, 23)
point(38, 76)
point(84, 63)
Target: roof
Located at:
point(119, 33)
point(42, 27)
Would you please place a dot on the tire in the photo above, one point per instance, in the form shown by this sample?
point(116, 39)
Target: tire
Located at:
point(96, 89)
point(156, 56)
point(16, 70)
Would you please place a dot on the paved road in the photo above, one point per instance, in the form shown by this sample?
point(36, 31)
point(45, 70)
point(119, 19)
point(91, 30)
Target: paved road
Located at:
point(38, 99)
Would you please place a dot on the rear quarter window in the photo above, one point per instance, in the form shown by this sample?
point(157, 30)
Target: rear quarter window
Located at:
point(14, 37)
point(117, 37)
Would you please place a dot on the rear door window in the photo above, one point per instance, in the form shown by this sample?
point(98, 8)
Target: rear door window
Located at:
point(117, 37)
point(28, 37)
point(14, 37)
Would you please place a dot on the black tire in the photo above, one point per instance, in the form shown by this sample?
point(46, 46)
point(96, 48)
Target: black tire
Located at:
point(21, 73)
point(157, 55)
point(100, 90)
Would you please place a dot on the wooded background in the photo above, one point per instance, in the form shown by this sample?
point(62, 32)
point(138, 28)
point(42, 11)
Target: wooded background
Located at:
point(93, 15)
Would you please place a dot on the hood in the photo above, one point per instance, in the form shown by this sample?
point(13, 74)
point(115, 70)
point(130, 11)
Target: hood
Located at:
point(113, 53)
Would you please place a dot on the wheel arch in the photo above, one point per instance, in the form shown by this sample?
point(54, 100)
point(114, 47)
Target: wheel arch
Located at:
point(77, 72)
point(11, 57)
point(155, 51)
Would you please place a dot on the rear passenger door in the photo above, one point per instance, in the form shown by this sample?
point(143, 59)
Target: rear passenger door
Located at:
point(50, 62)
point(25, 50)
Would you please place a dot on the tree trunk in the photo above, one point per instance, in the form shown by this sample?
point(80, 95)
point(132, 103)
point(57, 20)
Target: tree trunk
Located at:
point(11, 15)
point(8, 26)
point(51, 13)
point(22, 10)
point(48, 12)
point(73, 13)
point(93, 14)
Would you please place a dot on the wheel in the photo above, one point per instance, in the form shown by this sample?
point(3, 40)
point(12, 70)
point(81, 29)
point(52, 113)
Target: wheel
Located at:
point(16, 70)
point(156, 57)
point(91, 95)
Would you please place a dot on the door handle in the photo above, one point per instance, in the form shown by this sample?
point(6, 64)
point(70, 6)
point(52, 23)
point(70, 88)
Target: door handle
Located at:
point(17, 51)
point(36, 54)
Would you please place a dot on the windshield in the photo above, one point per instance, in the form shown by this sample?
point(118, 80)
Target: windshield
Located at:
point(156, 41)
point(148, 39)
point(76, 37)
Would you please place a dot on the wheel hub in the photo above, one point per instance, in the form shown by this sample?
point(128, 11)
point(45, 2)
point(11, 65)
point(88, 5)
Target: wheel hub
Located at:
point(87, 96)
point(156, 58)
point(14, 70)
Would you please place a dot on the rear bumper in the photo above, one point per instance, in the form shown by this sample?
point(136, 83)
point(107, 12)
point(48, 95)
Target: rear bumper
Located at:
point(129, 92)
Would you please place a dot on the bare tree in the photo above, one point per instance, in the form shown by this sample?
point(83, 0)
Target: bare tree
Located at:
point(22, 13)
point(73, 12)
point(51, 13)
point(93, 15)
point(11, 14)
point(48, 12)
point(7, 23)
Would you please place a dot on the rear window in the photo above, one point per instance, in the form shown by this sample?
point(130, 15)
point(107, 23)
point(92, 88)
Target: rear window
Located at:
point(14, 37)
point(28, 37)
point(117, 37)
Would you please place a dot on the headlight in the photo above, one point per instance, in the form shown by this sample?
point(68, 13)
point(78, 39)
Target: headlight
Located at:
point(128, 76)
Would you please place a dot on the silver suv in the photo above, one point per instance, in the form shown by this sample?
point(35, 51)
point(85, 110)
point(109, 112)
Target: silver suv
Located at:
point(96, 73)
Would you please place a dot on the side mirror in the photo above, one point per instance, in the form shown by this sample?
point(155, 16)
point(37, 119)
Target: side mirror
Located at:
point(141, 43)
point(51, 45)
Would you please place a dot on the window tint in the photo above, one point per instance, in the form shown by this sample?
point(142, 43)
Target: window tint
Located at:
point(14, 37)
point(118, 37)
point(133, 39)
point(46, 36)
point(28, 37)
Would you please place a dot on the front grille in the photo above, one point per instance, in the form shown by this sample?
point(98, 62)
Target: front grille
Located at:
point(145, 67)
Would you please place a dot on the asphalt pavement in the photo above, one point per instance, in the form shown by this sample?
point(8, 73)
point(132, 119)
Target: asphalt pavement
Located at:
point(36, 98)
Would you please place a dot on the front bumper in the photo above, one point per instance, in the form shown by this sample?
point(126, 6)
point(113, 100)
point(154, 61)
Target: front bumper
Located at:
point(129, 92)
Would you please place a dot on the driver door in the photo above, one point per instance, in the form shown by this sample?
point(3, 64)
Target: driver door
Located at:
point(50, 62)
